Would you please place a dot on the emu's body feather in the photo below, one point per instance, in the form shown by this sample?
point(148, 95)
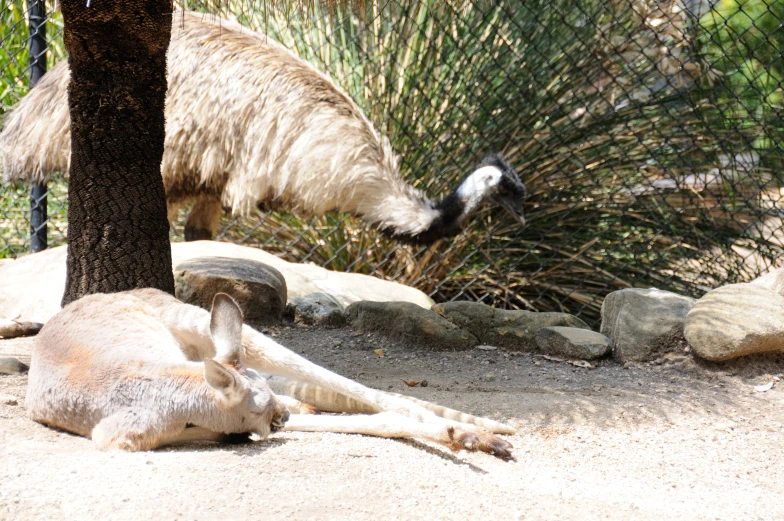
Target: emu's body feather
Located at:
point(250, 124)
point(246, 121)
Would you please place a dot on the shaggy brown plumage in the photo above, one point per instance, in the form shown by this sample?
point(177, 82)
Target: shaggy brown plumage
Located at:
point(248, 123)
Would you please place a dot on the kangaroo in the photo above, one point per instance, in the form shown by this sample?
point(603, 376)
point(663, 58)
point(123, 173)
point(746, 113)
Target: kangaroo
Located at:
point(140, 369)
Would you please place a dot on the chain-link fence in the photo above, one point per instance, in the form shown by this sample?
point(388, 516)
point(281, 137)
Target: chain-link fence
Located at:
point(649, 134)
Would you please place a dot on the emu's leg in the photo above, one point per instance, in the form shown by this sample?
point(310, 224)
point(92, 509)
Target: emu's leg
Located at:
point(172, 209)
point(393, 425)
point(202, 221)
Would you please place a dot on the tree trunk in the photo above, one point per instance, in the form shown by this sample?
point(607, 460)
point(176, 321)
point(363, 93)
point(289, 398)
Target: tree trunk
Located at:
point(118, 233)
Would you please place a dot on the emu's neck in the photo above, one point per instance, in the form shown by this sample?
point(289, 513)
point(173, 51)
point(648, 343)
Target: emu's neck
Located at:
point(448, 216)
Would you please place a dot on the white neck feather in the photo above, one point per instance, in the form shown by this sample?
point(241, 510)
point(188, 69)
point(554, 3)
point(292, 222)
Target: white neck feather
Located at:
point(476, 186)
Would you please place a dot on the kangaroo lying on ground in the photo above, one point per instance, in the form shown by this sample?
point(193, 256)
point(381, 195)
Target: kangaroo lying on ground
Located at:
point(139, 369)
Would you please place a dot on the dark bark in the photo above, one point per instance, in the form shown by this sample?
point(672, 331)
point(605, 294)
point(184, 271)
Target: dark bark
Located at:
point(118, 234)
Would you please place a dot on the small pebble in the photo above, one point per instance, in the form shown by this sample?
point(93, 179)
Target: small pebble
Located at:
point(7, 399)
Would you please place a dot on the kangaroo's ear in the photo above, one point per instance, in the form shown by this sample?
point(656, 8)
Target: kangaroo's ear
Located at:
point(226, 328)
point(226, 381)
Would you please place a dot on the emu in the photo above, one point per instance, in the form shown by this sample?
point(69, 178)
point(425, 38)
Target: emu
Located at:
point(249, 124)
point(139, 369)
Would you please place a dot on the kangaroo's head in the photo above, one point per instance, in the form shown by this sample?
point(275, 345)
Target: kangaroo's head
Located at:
point(247, 404)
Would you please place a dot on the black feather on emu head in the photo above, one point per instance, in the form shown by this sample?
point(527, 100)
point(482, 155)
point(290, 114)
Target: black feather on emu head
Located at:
point(509, 191)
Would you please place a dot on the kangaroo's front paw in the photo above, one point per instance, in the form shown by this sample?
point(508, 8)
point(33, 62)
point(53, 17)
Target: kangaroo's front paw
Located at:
point(482, 441)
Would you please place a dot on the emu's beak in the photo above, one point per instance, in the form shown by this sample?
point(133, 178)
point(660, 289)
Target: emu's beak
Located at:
point(513, 205)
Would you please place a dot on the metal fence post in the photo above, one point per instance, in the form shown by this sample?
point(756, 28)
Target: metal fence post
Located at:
point(37, 60)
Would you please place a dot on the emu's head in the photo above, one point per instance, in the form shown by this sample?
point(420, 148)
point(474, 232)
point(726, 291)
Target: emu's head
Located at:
point(494, 180)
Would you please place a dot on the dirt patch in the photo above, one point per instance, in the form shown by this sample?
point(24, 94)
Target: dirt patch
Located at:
point(669, 440)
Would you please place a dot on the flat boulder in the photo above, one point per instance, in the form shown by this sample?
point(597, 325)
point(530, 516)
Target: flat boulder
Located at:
point(772, 280)
point(644, 323)
point(409, 323)
point(32, 286)
point(260, 290)
point(736, 320)
point(572, 342)
point(320, 309)
point(509, 329)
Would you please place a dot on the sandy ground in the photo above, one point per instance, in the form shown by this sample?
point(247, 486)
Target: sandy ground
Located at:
point(665, 441)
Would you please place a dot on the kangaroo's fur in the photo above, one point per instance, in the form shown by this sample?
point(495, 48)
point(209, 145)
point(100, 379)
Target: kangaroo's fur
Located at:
point(132, 370)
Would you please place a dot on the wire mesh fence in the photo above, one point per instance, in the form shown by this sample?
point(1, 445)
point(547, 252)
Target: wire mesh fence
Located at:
point(649, 135)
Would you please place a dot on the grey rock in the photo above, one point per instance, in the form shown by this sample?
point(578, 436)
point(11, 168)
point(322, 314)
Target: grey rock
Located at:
point(573, 342)
point(508, 329)
point(319, 309)
point(260, 290)
point(10, 365)
point(736, 320)
point(410, 323)
point(644, 323)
